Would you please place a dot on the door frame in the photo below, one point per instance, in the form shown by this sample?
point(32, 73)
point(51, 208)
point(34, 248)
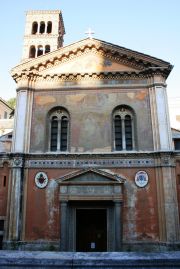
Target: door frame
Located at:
point(113, 241)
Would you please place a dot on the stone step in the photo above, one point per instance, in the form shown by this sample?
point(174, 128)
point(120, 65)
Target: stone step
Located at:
point(82, 260)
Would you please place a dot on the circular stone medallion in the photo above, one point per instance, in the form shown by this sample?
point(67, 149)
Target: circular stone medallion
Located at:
point(41, 180)
point(141, 179)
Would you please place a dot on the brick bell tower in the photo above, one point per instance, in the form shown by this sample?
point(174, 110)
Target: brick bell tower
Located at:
point(44, 31)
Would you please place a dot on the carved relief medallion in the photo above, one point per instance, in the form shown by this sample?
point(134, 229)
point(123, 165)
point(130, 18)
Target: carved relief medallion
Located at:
point(41, 180)
point(141, 179)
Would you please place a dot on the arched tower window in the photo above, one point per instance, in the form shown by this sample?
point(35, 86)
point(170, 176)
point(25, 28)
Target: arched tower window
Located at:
point(123, 128)
point(34, 28)
point(32, 52)
point(40, 50)
point(42, 27)
point(49, 27)
point(47, 48)
point(59, 130)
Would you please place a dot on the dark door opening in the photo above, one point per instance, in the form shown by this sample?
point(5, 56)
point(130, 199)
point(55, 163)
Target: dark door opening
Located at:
point(91, 230)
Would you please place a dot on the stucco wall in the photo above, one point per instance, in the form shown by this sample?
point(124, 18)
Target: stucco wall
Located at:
point(4, 178)
point(140, 216)
point(91, 118)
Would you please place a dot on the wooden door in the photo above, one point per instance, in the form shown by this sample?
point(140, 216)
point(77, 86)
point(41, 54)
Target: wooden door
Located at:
point(91, 230)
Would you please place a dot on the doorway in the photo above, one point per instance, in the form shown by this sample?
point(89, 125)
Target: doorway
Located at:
point(91, 229)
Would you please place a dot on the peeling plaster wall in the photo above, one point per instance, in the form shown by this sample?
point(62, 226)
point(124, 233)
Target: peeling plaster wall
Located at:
point(42, 208)
point(140, 213)
point(91, 118)
point(4, 172)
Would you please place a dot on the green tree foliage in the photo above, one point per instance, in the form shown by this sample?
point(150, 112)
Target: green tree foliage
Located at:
point(12, 102)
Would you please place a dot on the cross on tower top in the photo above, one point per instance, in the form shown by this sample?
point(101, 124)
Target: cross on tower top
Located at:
point(89, 32)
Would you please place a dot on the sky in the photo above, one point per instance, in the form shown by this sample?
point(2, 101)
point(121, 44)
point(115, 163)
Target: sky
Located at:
point(148, 26)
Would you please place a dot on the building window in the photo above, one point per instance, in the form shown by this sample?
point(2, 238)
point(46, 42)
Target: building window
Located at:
point(40, 50)
point(32, 52)
point(49, 27)
point(42, 27)
point(4, 181)
point(178, 179)
point(123, 129)
point(177, 144)
point(34, 28)
point(5, 115)
point(59, 130)
point(47, 49)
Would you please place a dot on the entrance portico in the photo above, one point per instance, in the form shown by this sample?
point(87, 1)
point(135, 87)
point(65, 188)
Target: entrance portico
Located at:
point(91, 210)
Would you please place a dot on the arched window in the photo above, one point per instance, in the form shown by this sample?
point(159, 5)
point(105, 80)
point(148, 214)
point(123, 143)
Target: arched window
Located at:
point(123, 128)
point(47, 49)
point(49, 27)
point(59, 130)
point(118, 132)
point(128, 132)
point(32, 52)
point(40, 50)
point(42, 27)
point(34, 28)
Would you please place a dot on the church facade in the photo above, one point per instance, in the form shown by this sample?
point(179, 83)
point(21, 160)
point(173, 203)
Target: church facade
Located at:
point(92, 166)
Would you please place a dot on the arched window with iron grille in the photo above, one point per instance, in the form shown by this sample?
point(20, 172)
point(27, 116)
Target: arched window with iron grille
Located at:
point(59, 130)
point(123, 128)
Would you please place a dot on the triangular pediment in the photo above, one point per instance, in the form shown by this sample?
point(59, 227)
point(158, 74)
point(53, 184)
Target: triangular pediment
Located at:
point(90, 56)
point(91, 62)
point(92, 176)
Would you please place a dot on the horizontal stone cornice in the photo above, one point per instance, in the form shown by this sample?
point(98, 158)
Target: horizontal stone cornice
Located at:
point(31, 12)
point(84, 160)
point(123, 75)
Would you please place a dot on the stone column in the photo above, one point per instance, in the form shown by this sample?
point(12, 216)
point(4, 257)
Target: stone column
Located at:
point(162, 137)
point(15, 201)
point(63, 216)
point(163, 119)
point(170, 202)
point(22, 123)
point(123, 134)
point(118, 225)
point(20, 120)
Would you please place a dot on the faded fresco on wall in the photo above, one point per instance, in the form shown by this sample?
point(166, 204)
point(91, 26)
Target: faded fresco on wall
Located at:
point(91, 118)
point(91, 62)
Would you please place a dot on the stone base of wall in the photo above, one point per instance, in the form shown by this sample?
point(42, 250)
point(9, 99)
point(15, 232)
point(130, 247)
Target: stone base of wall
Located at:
point(150, 246)
point(43, 245)
point(40, 245)
point(79, 260)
